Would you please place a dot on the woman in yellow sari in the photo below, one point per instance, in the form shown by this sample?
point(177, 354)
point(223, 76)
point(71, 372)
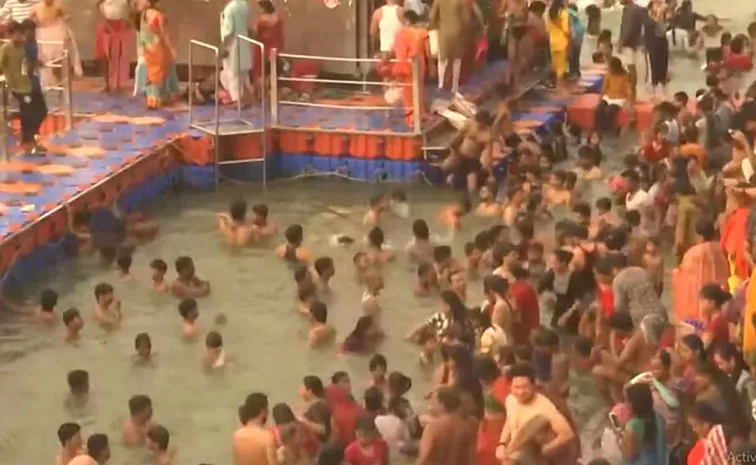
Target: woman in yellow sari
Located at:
point(411, 42)
point(158, 55)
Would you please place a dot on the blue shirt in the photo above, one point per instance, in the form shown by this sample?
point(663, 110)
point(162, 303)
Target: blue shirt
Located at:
point(32, 54)
point(576, 26)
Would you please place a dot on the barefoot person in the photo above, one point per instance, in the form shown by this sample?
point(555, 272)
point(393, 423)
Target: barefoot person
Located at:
point(113, 44)
point(253, 444)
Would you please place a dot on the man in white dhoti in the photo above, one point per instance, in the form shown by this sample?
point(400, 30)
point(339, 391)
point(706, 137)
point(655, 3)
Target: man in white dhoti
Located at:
point(237, 54)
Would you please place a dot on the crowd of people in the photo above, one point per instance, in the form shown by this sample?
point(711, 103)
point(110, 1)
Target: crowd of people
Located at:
point(577, 312)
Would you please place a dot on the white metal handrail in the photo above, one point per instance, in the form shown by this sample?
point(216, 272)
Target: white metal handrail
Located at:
point(196, 43)
point(275, 102)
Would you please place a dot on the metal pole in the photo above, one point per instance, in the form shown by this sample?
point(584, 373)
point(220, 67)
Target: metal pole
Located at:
point(274, 87)
point(217, 120)
point(68, 90)
point(417, 106)
point(240, 80)
point(263, 122)
point(191, 83)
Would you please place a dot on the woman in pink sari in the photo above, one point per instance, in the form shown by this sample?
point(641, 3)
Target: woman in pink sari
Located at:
point(703, 263)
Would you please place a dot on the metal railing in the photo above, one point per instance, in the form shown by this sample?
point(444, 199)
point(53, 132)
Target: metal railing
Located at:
point(276, 103)
point(65, 87)
point(239, 125)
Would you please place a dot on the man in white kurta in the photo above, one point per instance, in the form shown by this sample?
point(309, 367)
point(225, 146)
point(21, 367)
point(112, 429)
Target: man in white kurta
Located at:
point(237, 62)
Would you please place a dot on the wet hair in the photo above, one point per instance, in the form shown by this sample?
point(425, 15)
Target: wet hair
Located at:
point(420, 229)
point(97, 444)
point(183, 263)
point(261, 210)
point(48, 299)
point(103, 289)
point(67, 431)
point(187, 306)
point(522, 370)
point(319, 312)
point(70, 315)
point(238, 210)
point(377, 361)
point(301, 272)
point(715, 293)
point(620, 321)
point(486, 369)
point(213, 340)
point(160, 436)
point(339, 376)
point(374, 399)
point(124, 261)
point(641, 403)
point(442, 252)
point(159, 265)
point(141, 339)
point(139, 403)
point(256, 403)
point(323, 264)
point(294, 234)
point(376, 238)
point(78, 381)
point(314, 384)
point(705, 228)
point(307, 292)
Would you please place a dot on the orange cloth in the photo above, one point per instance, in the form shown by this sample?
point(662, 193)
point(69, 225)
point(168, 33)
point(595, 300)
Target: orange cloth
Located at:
point(702, 264)
point(694, 150)
point(158, 56)
point(733, 240)
point(616, 86)
point(410, 42)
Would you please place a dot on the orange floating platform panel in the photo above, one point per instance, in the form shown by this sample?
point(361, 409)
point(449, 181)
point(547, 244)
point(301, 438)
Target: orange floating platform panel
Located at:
point(195, 150)
point(404, 148)
point(581, 112)
point(246, 146)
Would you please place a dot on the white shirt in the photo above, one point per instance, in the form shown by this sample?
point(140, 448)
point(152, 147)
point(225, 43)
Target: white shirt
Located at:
point(388, 26)
point(643, 203)
point(393, 431)
point(115, 9)
point(493, 337)
point(16, 11)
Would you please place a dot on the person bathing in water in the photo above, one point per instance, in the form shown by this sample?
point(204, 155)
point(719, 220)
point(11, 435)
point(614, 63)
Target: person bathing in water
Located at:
point(107, 308)
point(158, 439)
point(238, 230)
point(378, 252)
point(293, 251)
point(189, 312)
point(214, 356)
point(378, 205)
point(451, 216)
point(140, 420)
point(74, 322)
point(320, 332)
point(159, 269)
point(187, 284)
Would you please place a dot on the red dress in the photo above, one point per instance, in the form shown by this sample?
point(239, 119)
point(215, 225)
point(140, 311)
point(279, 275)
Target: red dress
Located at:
point(354, 455)
point(270, 33)
point(525, 299)
point(344, 411)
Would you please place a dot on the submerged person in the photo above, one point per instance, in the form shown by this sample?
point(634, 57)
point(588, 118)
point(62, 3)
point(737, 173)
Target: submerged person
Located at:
point(158, 439)
point(159, 55)
point(214, 357)
point(72, 445)
point(98, 451)
point(140, 420)
point(74, 322)
point(293, 251)
point(234, 227)
point(187, 284)
point(107, 308)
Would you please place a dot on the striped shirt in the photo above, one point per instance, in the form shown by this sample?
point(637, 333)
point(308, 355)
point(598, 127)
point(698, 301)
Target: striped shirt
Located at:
point(715, 448)
point(17, 10)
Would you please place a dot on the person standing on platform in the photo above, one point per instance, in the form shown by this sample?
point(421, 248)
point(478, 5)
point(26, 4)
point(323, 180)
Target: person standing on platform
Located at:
point(411, 43)
point(237, 54)
point(54, 36)
point(658, 46)
point(19, 70)
point(560, 38)
point(267, 28)
point(113, 42)
point(457, 26)
point(630, 42)
point(159, 55)
point(385, 24)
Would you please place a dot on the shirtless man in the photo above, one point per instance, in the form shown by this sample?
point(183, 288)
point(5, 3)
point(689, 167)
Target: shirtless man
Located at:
point(107, 308)
point(140, 415)
point(234, 227)
point(214, 357)
point(293, 251)
point(253, 444)
point(158, 439)
point(188, 284)
point(378, 205)
point(263, 227)
point(629, 353)
point(44, 312)
point(74, 322)
point(69, 435)
point(98, 451)
point(449, 439)
point(320, 331)
point(469, 148)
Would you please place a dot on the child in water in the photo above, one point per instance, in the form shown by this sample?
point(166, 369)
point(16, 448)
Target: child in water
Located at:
point(123, 265)
point(378, 205)
point(214, 356)
point(159, 269)
point(157, 441)
point(143, 347)
point(74, 322)
point(187, 284)
point(451, 216)
point(189, 311)
point(325, 269)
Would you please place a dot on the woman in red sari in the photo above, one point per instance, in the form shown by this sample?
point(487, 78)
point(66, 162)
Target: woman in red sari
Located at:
point(411, 41)
point(495, 392)
point(268, 29)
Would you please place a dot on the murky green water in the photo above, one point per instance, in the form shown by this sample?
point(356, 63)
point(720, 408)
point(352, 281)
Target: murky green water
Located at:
point(265, 336)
